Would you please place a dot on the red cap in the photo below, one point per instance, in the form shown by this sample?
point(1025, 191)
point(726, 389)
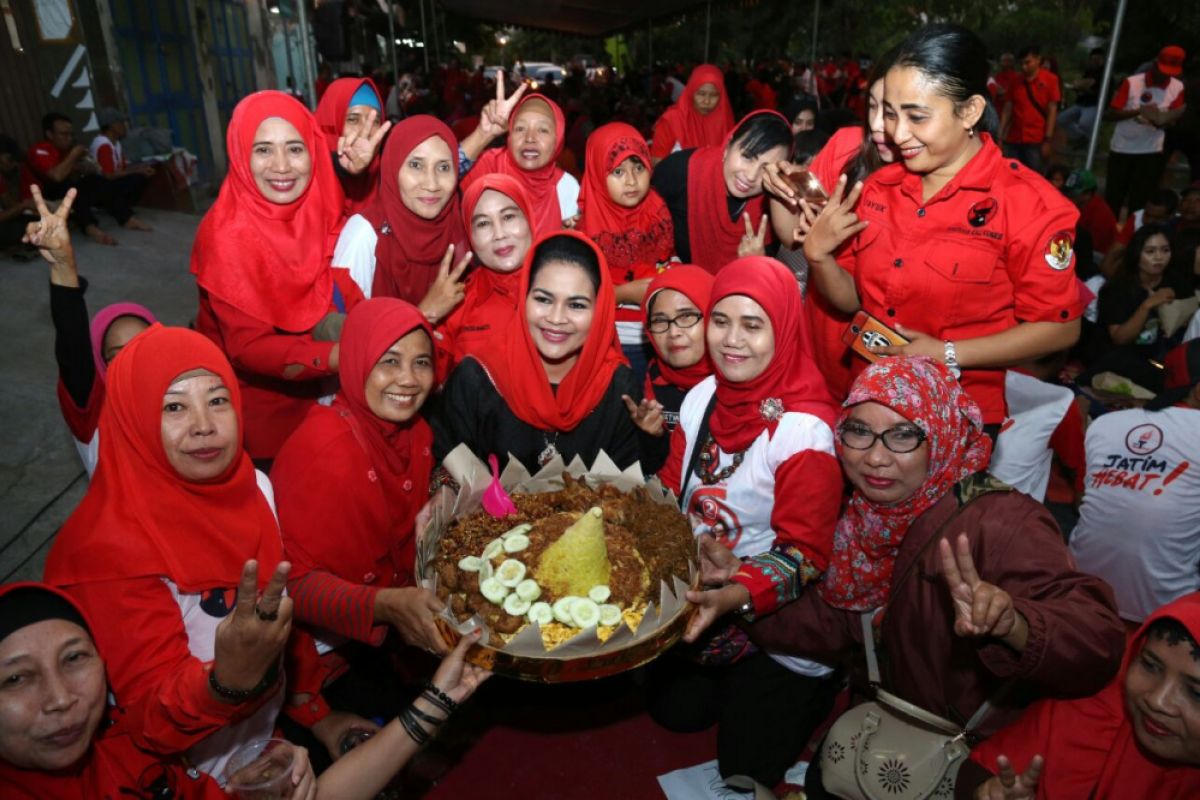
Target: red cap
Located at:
point(1170, 60)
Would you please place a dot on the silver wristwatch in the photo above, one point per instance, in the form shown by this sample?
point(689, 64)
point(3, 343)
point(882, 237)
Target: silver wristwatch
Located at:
point(951, 359)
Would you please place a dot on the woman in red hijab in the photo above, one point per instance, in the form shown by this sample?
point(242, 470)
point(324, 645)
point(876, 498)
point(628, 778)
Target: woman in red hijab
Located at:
point(535, 140)
point(701, 117)
point(551, 383)
point(349, 114)
point(630, 223)
point(1137, 737)
point(156, 550)
point(349, 483)
point(261, 261)
point(496, 213)
point(715, 193)
point(753, 460)
point(673, 312)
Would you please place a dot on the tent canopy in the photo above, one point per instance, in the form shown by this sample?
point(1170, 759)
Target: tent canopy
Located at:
point(581, 17)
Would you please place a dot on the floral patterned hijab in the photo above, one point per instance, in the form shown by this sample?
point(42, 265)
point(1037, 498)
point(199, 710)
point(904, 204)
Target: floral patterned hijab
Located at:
point(869, 536)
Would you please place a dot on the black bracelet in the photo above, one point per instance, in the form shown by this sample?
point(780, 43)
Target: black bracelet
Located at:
point(438, 704)
point(442, 696)
point(242, 695)
point(422, 715)
point(414, 729)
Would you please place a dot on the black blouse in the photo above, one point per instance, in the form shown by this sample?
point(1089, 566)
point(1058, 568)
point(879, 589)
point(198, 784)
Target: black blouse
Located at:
point(471, 410)
point(656, 448)
point(670, 180)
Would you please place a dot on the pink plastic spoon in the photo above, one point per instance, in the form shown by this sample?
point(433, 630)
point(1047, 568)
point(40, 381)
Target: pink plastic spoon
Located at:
point(496, 501)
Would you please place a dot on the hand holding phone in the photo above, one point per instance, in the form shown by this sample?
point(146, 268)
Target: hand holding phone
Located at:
point(865, 332)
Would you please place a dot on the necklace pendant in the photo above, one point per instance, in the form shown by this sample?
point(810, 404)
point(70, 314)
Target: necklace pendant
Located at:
point(771, 409)
point(547, 455)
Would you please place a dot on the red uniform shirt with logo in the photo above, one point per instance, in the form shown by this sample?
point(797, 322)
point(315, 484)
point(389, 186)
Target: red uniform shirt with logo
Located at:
point(992, 249)
point(1031, 100)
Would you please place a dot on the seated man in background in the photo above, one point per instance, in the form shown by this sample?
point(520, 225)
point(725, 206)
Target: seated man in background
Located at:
point(16, 207)
point(59, 164)
point(1139, 524)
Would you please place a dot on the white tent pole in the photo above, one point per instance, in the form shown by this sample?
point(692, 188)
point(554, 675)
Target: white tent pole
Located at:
point(1104, 83)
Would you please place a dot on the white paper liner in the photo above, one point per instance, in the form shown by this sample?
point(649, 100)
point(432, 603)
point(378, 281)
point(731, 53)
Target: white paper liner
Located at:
point(473, 478)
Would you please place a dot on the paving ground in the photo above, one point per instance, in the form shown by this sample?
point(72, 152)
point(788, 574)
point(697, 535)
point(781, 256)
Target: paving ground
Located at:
point(41, 477)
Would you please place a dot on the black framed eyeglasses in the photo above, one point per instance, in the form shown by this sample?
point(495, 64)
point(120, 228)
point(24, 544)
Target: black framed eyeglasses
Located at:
point(901, 439)
point(687, 319)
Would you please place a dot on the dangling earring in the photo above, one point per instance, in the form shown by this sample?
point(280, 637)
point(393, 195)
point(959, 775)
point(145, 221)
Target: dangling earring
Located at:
point(971, 133)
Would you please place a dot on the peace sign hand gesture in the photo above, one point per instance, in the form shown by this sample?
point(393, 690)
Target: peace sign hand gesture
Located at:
point(836, 223)
point(753, 242)
point(1008, 785)
point(251, 638)
point(980, 608)
point(356, 148)
point(493, 119)
point(447, 290)
point(50, 234)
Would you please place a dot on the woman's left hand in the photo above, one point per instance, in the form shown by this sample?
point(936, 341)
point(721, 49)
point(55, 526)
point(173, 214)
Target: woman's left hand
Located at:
point(493, 119)
point(330, 729)
point(753, 243)
point(448, 289)
point(980, 608)
point(356, 150)
point(303, 778)
point(919, 344)
point(1008, 785)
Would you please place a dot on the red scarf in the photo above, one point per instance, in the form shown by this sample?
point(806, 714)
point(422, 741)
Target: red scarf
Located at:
point(540, 184)
point(139, 518)
point(688, 126)
point(491, 297)
point(1089, 743)
point(268, 260)
point(634, 240)
point(695, 284)
point(792, 379)
point(515, 366)
point(869, 536)
point(409, 249)
point(713, 236)
point(331, 117)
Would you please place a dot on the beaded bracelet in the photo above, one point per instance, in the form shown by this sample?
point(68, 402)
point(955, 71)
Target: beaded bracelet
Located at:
point(242, 695)
point(444, 698)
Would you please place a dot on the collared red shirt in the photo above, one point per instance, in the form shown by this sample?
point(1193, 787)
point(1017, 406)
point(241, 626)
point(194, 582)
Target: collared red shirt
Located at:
point(43, 157)
point(1031, 100)
point(992, 249)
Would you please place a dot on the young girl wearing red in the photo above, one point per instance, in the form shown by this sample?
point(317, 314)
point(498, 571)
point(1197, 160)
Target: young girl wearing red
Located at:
point(261, 261)
point(629, 222)
point(701, 117)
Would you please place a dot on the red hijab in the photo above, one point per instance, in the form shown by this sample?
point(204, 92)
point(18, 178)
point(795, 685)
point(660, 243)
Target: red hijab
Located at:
point(634, 240)
point(515, 366)
point(792, 380)
point(139, 518)
point(1089, 743)
point(713, 236)
point(491, 297)
point(331, 117)
point(268, 260)
point(540, 184)
point(688, 126)
point(695, 284)
point(868, 536)
point(409, 250)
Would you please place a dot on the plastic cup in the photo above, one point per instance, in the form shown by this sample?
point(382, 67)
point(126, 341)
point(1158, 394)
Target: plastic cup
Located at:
point(261, 770)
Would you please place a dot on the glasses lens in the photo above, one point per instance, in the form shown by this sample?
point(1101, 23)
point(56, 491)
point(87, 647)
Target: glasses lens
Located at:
point(857, 438)
point(902, 440)
point(659, 324)
point(687, 319)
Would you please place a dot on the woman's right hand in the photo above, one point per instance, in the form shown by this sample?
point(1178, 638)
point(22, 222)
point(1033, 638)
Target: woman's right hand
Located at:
point(454, 676)
point(1008, 785)
point(836, 223)
point(775, 181)
point(447, 290)
point(250, 640)
point(1159, 297)
point(647, 415)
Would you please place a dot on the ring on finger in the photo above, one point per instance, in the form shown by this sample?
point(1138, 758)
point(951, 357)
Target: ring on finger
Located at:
point(266, 616)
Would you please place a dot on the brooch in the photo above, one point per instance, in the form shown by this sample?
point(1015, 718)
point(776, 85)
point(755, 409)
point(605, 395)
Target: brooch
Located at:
point(771, 409)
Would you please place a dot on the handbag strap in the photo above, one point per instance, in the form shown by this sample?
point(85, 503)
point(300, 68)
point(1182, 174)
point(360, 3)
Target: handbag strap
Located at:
point(701, 437)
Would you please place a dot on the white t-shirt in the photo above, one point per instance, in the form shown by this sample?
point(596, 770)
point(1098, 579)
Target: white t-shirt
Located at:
point(1022, 455)
point(1136, 137)
point(737, 511)
point(1193, 328)
point(355, 252)
point(568, 195)
point(1139, 525)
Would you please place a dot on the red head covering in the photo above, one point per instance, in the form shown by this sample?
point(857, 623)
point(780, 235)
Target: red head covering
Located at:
point(869, 536)
point(268, 260)
point(104, 319)
point(713, 236)
point(1089, 744)
point(409, 250)
point(331, 117)
point(695, 284)
point(491, 297)
point(139, 517)
point(688, 126)
point(634, 240)
point(515, 366)
point(541, 184)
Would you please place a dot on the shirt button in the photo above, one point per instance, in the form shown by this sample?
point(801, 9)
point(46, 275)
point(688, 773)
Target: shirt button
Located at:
point(899, 262)
point(408, 486)
point(920, 212)
point(1012, 165)
point(891, 312)
point(369, 577)
point(1063, 314)
point(316, 362)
